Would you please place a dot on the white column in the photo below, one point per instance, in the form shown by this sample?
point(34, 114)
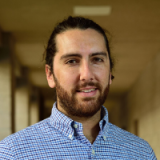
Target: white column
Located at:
point(5, 99)
point(34, 112)
point(21, 108)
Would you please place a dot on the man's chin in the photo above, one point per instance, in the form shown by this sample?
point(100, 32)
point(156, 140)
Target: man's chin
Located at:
point(88, 99)
point(86, 108)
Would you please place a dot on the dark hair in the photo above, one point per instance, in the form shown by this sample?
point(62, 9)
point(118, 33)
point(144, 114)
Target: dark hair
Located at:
point(72, 23)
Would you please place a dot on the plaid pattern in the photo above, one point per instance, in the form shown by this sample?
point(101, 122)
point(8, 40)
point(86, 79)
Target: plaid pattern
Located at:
point(59, 137)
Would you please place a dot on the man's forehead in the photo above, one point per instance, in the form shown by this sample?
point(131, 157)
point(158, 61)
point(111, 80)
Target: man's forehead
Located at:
point(72, 38)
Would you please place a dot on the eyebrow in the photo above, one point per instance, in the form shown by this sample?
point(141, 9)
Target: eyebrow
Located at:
point(99, 53)
point(80, 56)
point(70, 55)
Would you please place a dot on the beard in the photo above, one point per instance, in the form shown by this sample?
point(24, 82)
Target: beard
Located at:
point(87, 107)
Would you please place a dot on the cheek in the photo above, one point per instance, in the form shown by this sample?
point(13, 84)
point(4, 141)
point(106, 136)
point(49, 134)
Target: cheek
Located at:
point(100, 71)
point(66, 78)
point(103, 77)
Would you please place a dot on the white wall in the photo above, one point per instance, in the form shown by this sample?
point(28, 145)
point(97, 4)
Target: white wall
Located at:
point(143, 105)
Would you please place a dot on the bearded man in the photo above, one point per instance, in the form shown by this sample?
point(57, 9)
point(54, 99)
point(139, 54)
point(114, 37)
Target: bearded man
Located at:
point(79, 66)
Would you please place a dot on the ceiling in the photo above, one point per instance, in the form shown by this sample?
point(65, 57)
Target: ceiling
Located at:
point(134, 27)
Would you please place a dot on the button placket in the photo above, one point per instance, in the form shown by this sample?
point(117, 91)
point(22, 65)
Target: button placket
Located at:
point(70, 136)
point(93, 151)
point(104, 137)
point(75, 126)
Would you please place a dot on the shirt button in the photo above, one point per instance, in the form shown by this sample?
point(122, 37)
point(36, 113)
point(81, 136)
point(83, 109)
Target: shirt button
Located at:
point(75, 125)
point(104, 137)
point(93, 152)
point(70, 136)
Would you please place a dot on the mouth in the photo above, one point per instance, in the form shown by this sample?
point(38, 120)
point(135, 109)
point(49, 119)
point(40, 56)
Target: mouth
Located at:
point(87, 90)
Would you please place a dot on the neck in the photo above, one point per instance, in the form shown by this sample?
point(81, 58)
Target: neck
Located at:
point(91, 127)
point(90, 124)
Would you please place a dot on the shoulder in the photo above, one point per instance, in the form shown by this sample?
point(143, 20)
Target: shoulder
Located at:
point(129, 142)
point(26, 138)
point(120, 134)
point(32, 130)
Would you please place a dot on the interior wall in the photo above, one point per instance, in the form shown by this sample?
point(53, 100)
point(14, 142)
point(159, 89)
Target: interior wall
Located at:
point(118, 115)
point(143, 105)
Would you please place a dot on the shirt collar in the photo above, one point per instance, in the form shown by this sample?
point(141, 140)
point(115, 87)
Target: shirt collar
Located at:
point(65, 124)
point(61, 122)
point(104, 122)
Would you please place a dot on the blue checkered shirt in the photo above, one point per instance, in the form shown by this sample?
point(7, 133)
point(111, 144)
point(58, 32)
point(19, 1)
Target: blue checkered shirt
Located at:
point(59, 137)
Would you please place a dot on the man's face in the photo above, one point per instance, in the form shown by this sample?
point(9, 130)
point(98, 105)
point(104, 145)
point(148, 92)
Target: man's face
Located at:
point(81, 72)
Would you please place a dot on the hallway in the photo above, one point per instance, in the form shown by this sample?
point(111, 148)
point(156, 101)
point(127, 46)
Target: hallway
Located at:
point(134, 98)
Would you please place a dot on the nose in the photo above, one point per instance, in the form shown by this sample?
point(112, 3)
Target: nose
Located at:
point(86, 72)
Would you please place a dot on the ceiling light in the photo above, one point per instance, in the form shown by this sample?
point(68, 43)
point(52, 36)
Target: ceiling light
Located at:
point(92, 10)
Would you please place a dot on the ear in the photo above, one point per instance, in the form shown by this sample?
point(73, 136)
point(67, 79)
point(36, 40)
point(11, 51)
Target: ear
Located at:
point(110, 78)
point(49, 76)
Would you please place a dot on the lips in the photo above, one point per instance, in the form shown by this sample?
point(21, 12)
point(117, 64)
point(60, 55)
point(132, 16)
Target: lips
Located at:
point(87, 90)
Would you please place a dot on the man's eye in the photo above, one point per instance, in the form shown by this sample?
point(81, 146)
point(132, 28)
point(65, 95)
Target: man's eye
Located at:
point(96, 59)
point(72, 61)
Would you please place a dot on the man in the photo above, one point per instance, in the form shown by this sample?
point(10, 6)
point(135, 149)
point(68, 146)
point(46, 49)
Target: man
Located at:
point(78, 65)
